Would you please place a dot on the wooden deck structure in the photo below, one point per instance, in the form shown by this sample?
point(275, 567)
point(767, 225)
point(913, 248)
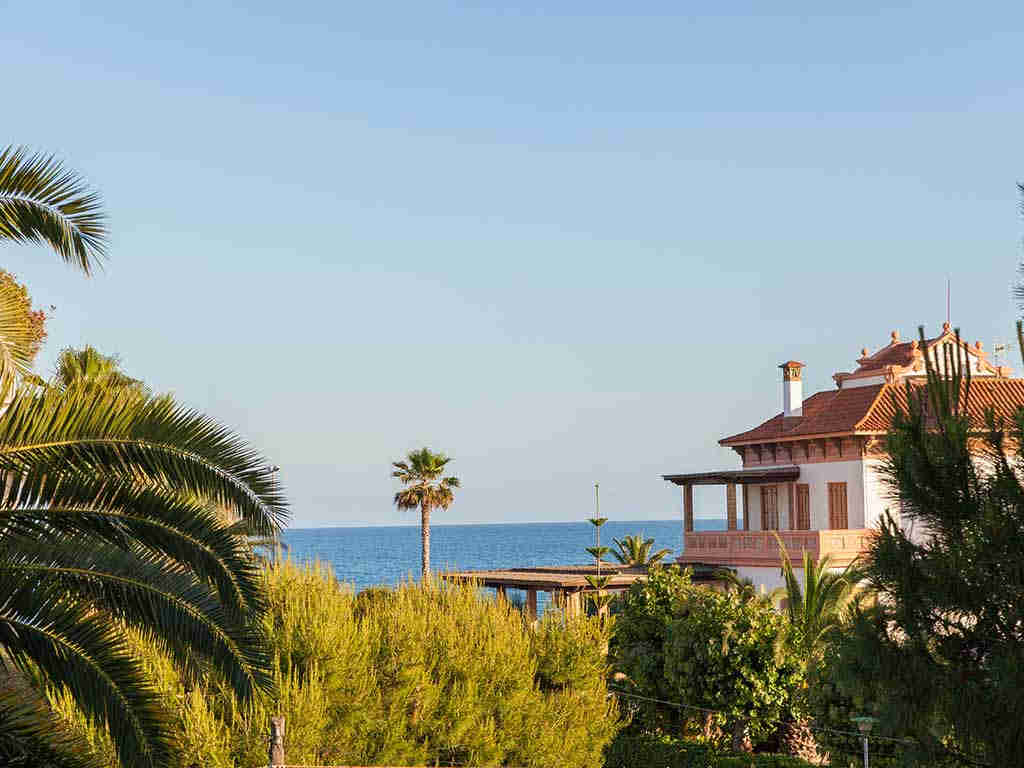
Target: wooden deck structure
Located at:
point(566, 584)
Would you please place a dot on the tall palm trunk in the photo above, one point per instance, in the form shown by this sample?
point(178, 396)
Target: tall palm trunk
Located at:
point(425, 538)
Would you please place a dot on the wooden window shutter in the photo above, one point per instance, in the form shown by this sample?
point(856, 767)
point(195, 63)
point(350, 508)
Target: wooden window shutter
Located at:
point(803, 507)
point(837, 517)
point(790, 508)
point(769, 508)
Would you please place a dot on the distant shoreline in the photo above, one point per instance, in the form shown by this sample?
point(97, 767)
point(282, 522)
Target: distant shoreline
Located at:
point(434, 525)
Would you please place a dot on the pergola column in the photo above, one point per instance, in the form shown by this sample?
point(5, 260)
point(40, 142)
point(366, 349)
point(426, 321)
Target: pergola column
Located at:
point(730, 505)
point(531, 604)
point(572, 605)
point(688, 507)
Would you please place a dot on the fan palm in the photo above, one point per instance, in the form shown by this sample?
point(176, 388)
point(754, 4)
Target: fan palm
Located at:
point(110, 515)
point(636, 551)
point(816, 609)
point(425, 488)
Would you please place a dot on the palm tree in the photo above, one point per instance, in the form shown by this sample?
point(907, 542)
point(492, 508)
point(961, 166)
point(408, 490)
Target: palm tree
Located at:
point(421, 474)
point(91, 367)
point(635, 551)
point(817, 609)
point(110, 519)
point(744, 587)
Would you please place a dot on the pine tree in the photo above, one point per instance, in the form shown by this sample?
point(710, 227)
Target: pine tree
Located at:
point(940, 656)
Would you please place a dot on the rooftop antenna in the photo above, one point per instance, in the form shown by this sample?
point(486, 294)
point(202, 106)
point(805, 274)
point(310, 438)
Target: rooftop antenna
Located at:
point(947, 301)
point(999, 349)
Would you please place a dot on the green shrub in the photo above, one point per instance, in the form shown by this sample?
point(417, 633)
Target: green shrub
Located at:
point(648, 750)
point(418, 675)
point(678, 642)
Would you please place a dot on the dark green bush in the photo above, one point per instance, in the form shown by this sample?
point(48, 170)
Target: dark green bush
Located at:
point(648, 750)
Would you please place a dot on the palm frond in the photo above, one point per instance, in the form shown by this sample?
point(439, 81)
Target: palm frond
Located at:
point(46, 505)
point(143, 440)
point(84, 651)
point(42, 201)
point(16, 341)
point(31, 737)
point(138, 589)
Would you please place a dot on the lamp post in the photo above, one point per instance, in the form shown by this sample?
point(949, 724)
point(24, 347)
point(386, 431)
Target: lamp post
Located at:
point(864, 724)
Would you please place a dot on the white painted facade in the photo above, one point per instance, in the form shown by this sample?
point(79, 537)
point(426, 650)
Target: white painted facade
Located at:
point(867, 496)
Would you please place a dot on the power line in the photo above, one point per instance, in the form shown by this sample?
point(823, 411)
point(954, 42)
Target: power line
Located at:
point(812, 725)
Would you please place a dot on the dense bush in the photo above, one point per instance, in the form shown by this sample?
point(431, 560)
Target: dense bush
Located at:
point(682, 643)
point(644, 614)
point(727, 654)
point(417, 675)
point(660, 751)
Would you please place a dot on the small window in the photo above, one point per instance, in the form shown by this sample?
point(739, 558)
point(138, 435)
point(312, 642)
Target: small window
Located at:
point(769, 508)
point(837, 517)
point(803, 507)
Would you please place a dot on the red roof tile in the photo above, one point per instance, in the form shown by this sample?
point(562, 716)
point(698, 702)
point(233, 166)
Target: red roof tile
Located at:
point(871, 409)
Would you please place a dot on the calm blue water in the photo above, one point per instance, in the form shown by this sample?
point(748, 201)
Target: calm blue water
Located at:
point(366, 557)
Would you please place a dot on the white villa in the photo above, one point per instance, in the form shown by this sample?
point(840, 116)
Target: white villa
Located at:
point(810, 473)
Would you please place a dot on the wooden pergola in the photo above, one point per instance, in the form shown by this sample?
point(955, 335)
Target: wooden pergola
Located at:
point(566, 584)
point(730, 478)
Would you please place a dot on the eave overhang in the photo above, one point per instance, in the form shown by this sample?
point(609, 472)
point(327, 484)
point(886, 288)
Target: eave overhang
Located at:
point(738, 476)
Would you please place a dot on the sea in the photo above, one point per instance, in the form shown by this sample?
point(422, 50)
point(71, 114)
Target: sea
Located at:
point(387, 555)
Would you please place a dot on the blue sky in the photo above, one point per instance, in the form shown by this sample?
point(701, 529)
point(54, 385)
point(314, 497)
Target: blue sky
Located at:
point(565, 243)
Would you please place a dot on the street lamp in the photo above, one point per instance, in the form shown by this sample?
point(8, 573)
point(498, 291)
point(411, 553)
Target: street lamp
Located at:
point(864, 724)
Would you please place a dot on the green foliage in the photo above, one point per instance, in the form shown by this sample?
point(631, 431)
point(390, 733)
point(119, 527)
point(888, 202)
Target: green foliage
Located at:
point(648, 750)
point(681, 643)
point(636, 551)
point(43, 202)
point(87, 367)
point(729, 655)
point(643, 616)
point(818, 608)
point(418, 675)
point(115, 522)
point(940, 657)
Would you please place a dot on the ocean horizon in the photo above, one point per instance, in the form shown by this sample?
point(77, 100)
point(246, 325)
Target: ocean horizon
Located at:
point(385, 555)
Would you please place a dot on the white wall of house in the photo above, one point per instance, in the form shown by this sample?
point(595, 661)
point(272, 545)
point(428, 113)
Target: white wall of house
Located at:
point(818, 476)
point(768, 578)
point(876, 495)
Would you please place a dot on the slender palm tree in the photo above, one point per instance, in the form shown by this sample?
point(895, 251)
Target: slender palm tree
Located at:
point(816, 609)
point(425, 487)
point(110, 515)
point(636, 551)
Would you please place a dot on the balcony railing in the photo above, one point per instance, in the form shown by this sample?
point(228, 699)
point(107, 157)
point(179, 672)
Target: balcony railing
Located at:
point(752, 548)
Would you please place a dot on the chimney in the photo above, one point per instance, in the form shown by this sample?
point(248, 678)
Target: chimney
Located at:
point(792, 389)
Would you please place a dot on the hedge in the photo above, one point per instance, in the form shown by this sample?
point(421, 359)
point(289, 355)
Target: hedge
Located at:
point(660, 751)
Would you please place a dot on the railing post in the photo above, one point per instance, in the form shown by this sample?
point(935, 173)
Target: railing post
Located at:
point(276, 755)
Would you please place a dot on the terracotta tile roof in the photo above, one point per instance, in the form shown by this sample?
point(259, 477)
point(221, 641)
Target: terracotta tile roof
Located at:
point(1004, 396)
point(870, 409)
point(901, 354)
